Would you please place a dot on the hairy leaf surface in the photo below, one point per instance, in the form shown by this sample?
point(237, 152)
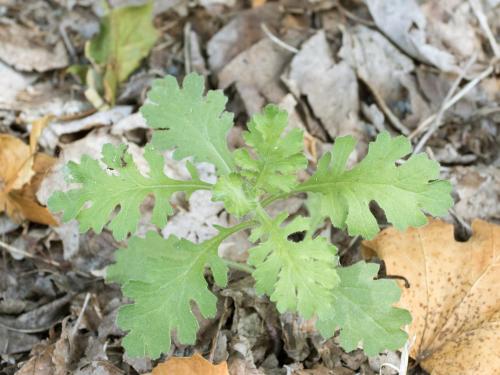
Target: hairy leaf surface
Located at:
point(102, 191)
point(237, 196)
point(163, 277)
point(363, 311)
point(402, 191)
point(278, 156)
point(193, 124)
point(298, 276)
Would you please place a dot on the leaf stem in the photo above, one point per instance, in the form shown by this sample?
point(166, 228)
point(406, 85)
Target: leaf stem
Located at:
point(239, 266)
point(273, 198)
point(227, 232)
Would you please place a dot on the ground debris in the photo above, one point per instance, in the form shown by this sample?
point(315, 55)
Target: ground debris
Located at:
point(338, 68)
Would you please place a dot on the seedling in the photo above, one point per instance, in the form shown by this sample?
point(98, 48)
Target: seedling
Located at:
point(165, 276)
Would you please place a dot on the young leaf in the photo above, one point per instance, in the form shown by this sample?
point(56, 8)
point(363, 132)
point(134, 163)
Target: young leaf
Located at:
point(236, 195)
point(163, 277)
point(298, 276)
point(278, 157)
point(126, 187)
point(119, 47)
point(194, 124)
point(403, 192)
point(364, 312)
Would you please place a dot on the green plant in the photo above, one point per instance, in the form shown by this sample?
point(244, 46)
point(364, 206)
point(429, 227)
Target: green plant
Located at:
point(165, 276)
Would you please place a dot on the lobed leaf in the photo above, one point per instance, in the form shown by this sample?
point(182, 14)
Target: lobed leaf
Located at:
point(298, 276)
point(193, 124)
point(278, 156)
point(402, 191)
point(363, 311)
point(163, 277)
point(102, 191)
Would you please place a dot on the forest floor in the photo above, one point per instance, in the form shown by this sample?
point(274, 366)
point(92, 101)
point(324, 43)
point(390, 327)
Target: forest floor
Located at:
point(426, 69)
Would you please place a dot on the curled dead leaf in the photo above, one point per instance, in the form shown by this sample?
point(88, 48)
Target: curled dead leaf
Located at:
point(195, 365)
point(16, 159)
point(21, 175)
point(453, 295)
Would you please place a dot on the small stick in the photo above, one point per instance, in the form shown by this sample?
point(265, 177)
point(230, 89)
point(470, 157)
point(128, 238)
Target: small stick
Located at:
point(277, 40)
point(11, 249)
point(219, 327)
point(483, 22)
point(384, 107)
point(464, 91)
point(187, 47)
point(80, 316)
point(67, 42)
point(442, 109)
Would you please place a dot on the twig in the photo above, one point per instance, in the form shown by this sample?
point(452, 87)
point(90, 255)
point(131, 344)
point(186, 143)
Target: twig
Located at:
point(277, 40)
point(482, 112)
point(80, 316)
point(13, 250)
point(350, 245)
point(405, 355)
point(442, 109)
point(464, 91)
point(67, 42)
point(483, 22)
point(28, 330)
point(187, 47)
point(384, 107)
point(222, 319)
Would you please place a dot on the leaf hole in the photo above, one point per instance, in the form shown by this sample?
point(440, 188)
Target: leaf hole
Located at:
point(297, 236)
point(462, 231)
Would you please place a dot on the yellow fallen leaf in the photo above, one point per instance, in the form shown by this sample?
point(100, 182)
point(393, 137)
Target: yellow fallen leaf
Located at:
point(17, 158)
point(20, 177)
point(258, 3)
point(195, 365)
point(15, 161)
point(453, 296)
point(36, 131)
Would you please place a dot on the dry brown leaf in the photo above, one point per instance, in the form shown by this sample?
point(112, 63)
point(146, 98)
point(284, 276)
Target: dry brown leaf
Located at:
point(258, 3)
point(24, 49)
point(36, 131)
point(195, 365)
point(22, 204)
point(314, 72)
point(40, 363)
point(22, 175)
point(14, 158)
point(453, 296)
point(241, 33)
